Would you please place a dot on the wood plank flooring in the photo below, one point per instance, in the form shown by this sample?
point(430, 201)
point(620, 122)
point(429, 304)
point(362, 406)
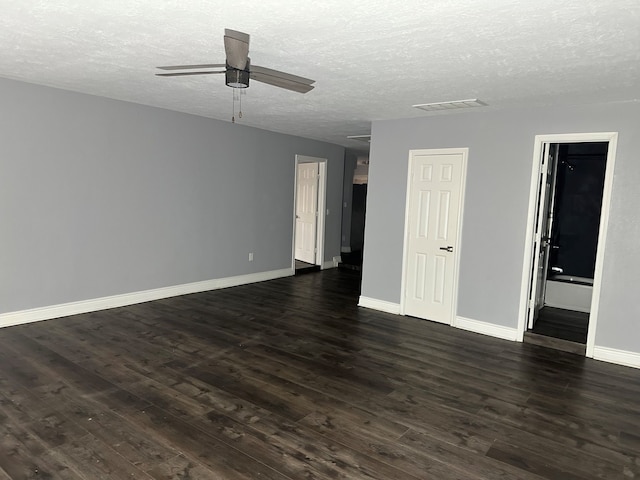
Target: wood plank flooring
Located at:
point(289, 379)
point(563, 324)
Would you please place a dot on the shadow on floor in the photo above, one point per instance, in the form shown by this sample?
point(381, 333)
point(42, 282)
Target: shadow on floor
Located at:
point(304, 267)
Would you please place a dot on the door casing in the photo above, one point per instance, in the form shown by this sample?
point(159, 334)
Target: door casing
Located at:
point(322, 209)
point(443, 151)
point(544, 222)
point(307, 211)
point(540, 141)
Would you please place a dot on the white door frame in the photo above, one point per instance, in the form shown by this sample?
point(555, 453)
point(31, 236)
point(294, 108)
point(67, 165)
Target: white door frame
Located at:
point(438, 151)
point(545, 193)
point(322, 209)
point(540, 140)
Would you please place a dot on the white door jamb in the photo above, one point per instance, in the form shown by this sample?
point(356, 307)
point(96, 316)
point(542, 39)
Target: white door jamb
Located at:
point(321, 207)
point(540, 140)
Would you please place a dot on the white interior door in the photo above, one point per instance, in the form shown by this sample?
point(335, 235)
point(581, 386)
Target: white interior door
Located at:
point(542, 241)
point(434, 210)
point(547, 225)
point(306, 212)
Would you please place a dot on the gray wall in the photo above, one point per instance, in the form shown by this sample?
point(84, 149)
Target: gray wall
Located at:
point(496, 204)
point(100, 197)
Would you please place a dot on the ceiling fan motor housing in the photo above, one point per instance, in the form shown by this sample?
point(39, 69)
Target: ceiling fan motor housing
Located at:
point(235, 78)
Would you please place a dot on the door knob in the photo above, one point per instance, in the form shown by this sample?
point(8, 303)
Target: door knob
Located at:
point(448, 249)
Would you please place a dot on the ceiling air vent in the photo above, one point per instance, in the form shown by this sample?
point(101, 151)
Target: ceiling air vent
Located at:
point(431, 107)
point(360, 138)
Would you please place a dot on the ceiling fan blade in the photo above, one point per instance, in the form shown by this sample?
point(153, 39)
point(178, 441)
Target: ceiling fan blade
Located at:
point(281, 82)
point(276, 73)
point(281, 79)
point(192, 67)
point(184, 74)
point(236, 47)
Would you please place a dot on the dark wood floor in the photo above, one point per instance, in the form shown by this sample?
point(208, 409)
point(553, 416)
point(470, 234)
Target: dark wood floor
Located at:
point(288, 379)
point(563, 324)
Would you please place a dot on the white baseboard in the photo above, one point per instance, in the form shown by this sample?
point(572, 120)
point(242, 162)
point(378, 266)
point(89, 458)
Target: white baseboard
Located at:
point(621, 357)
point(93, 305)
point(485, 328)
point(330, 263)
point(382, 305)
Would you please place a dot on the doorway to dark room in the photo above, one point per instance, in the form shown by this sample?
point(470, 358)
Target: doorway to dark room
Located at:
point(358, 176)
point(567, 231)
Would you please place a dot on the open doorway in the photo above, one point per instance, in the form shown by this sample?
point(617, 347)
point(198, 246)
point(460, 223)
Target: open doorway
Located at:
point(309, 207)
point(573, 177)
point(356, 177)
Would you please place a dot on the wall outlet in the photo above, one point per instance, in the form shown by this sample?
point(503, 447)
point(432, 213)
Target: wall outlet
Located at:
point(251, 256)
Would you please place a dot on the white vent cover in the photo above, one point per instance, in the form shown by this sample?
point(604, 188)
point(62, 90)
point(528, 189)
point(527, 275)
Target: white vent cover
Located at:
point(430, 107)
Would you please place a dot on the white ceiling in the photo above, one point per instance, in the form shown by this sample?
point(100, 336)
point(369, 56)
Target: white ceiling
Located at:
point(370, 59)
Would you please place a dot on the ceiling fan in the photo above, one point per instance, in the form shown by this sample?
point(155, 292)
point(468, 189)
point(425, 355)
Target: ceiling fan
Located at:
point(238, 69)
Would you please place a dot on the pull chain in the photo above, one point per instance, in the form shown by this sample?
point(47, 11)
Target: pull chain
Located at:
point(237, 95)
point(233, 113)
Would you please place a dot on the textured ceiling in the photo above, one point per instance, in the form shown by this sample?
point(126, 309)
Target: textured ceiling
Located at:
point(370, 59)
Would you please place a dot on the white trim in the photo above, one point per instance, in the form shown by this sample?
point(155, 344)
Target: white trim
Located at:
point(621, 357)
point(322, 210)
point(93, 305)
point(543, 197)
point(528, 242)
point(540, 140)
point(337, 260)
point(485, 328)
point(463, 180)
point(321, 207)
point(381, 305)
point(602, 240)
point(293, 219)
point(329, 264)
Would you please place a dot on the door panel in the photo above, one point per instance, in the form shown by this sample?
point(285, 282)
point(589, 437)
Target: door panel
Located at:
point(434, 203)
point(544, 221)
point(306, 212)
point(443, 215)
point(547, 225)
